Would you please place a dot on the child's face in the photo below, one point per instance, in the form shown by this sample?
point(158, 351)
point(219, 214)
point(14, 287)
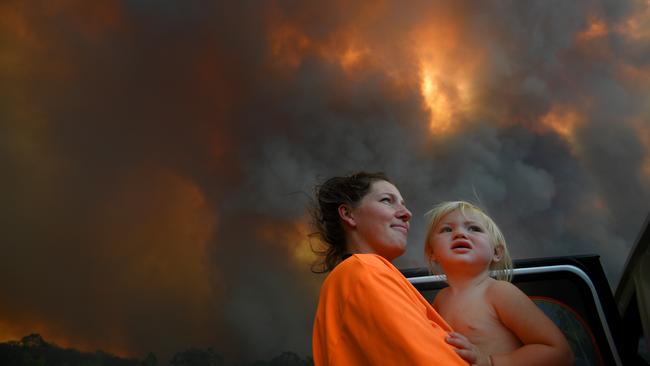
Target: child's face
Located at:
point(460, 240)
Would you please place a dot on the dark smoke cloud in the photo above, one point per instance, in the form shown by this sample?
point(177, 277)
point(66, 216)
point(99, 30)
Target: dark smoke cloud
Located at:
point(157, 157)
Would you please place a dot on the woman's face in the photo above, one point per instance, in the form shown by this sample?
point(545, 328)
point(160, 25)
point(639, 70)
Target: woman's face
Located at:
point(380, 222)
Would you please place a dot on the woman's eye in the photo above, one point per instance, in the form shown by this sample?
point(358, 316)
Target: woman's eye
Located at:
point(385, 199)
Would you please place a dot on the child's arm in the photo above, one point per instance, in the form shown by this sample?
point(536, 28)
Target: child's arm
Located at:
point(544, 343)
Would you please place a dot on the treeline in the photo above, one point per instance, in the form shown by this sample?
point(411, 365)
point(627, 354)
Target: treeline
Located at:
point(33, 350)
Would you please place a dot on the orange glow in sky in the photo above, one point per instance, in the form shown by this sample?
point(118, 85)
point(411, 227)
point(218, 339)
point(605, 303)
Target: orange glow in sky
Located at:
point(597, 28)
point(562, 121)
point(444, 63)
point(293, 237)
point(443, 98)
point(448, 64)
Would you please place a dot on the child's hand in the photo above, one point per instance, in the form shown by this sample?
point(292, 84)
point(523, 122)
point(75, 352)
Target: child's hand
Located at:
point(467, 350)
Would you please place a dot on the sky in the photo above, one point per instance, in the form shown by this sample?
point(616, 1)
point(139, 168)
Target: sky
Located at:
point(158, 157)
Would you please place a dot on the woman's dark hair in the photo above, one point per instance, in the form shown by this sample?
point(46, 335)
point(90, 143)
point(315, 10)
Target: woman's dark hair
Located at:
point(328, 197)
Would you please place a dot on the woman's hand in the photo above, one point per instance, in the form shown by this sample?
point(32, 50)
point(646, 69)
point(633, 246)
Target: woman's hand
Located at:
point(467, 350)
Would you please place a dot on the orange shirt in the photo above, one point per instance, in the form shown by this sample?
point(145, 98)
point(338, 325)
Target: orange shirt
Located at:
point(369, 314)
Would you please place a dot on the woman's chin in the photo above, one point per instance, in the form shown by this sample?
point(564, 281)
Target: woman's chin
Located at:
point(394, 251)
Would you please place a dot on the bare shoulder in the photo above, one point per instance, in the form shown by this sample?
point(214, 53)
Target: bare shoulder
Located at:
point(500, 291)
point(509, 301)
point(502, 287)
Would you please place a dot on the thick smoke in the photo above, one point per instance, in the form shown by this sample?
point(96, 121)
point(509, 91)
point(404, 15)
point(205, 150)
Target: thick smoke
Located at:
point(158, 156)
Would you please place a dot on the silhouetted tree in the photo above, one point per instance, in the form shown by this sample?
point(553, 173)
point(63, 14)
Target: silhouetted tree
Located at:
point(197, 357)
point(289, 359)
point(33, 340)
point(33, 350)
point(284, 359)
point(150, 360)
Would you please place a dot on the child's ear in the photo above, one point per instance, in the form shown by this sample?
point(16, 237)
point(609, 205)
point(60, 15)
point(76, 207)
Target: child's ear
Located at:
point(498, 254)
point(345, 213)
point(430, 254)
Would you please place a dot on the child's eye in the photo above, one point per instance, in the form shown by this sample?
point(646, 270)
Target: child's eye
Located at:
point(445, 229)
point(476, 228)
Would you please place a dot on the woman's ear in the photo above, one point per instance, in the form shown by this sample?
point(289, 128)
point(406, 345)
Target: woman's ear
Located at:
point(345, 213)
point(498, 253)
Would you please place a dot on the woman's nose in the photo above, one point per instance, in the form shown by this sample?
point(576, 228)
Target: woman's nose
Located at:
point(404, 214)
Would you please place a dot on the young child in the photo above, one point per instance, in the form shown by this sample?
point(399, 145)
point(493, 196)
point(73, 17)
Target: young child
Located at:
point(495, 323)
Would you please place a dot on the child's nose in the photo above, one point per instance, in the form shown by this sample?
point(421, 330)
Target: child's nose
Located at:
point(460, 233)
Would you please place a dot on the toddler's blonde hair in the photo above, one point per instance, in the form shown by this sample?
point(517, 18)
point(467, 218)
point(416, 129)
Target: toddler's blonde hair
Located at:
point(502, 269)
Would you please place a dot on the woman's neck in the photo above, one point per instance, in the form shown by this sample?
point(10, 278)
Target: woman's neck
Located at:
point(359, 247)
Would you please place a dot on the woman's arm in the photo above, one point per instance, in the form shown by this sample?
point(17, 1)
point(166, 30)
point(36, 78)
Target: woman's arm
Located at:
point(544, 343)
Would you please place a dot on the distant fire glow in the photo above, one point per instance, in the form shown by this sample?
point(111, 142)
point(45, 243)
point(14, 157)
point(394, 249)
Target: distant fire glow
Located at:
point(563, 121)
point(597, 29)
point(442, 99)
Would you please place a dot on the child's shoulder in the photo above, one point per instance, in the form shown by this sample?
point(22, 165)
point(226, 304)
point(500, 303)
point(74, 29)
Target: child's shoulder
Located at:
point(504, 293)
point(499, 288)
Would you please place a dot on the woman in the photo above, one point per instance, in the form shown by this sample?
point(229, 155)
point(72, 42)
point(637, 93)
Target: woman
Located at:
point(368, 313)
